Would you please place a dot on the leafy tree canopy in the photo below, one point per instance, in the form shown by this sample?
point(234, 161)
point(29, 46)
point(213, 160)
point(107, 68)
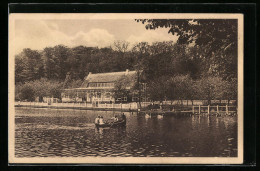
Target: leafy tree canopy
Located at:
point(217, 37)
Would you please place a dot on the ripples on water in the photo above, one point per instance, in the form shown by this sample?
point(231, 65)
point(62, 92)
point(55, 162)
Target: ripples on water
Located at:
point(71, 133)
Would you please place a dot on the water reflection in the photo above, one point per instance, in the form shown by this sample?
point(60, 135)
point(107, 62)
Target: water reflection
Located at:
point(71, 133)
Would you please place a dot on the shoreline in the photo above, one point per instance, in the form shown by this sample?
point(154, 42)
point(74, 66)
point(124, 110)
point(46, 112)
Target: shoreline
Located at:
point(78, 108)
point(126, 109)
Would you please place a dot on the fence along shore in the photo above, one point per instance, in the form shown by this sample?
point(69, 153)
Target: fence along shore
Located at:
point(195, 109)
point(80, 106)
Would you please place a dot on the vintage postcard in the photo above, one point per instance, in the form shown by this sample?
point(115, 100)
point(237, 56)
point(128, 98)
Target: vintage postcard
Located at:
point(119, 88)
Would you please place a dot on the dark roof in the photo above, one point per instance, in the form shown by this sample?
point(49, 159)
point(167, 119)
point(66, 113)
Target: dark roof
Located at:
point(108, 77)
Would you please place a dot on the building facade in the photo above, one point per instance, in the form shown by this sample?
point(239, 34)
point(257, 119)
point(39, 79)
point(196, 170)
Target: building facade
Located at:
point(100, 88)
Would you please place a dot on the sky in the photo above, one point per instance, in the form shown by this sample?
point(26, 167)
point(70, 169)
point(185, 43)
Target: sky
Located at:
point(40, 33)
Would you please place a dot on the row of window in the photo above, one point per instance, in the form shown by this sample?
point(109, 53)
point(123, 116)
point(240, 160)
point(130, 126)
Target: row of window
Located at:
point(92, 93)
point(100, 84)
point(97, 94)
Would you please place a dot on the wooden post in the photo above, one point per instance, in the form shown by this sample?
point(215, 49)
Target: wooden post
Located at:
point(208, 109)
point(226, 109)
point(199, 109)
point(217, 109)
point(193, 109)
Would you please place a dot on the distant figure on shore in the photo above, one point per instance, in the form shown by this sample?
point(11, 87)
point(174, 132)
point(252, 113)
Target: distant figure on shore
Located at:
point(97, 120)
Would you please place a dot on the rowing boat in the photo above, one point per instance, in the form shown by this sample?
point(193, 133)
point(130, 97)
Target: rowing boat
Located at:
point(112, 124)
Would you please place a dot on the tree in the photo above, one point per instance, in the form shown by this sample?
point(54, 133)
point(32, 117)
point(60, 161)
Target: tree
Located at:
point(28, 65)
point(180, 87)
point(230, 90)
point(210, 88)
point(121, 46)
point(74, 83)
point(20, 74)
point(156, 89)
point(120, 89)
point(218, 37)
point(27, 93)
point(79, 59)
point(62, 53)
point(50, 61)
point(55, 60)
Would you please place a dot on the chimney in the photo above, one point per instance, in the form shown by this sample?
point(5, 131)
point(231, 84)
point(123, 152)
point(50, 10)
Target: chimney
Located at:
point(126, 72)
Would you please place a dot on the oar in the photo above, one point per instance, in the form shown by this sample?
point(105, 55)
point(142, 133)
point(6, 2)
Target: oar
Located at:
point(112, 124)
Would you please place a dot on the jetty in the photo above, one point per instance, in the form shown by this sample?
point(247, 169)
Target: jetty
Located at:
point(196, 110)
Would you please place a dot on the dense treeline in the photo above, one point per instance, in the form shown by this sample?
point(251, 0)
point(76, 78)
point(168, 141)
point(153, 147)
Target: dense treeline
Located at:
point(201, 65)
point(171, 71)
point(156, 60)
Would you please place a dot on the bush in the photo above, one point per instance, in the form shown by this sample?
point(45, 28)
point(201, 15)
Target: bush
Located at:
point(38, 88)
point(27, 93)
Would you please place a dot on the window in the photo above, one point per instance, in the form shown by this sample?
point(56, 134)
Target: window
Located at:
point(98, 94)
point(100, 84)
point(92, 84)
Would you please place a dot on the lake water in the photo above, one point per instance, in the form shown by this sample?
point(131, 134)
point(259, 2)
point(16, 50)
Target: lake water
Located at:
point(72, 133)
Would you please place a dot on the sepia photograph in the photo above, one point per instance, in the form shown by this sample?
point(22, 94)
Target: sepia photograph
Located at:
point(117, 88)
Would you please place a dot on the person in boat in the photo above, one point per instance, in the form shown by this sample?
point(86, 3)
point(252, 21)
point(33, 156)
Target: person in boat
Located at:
point(101, 120)
point(115, 118)
point(123, 117)
point(97, 120)
point(152, 107)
